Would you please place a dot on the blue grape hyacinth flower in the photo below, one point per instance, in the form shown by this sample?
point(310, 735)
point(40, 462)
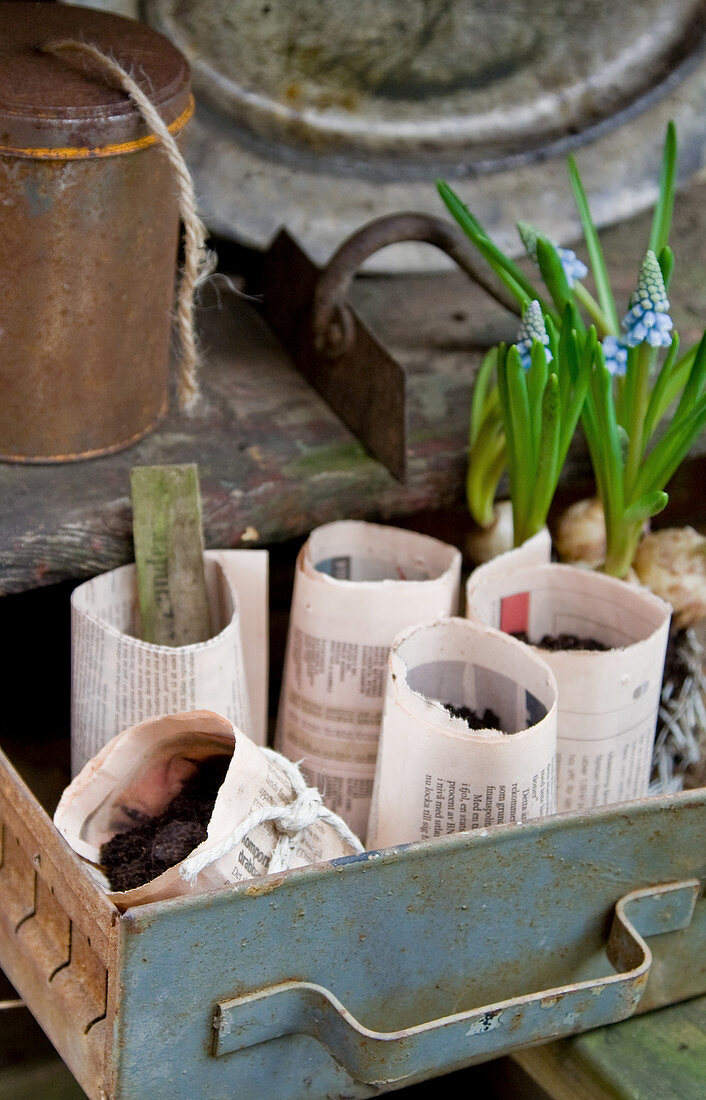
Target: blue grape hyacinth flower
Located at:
point(573, 267)
point(531, 329)
point(615, 351)
point(647, 318)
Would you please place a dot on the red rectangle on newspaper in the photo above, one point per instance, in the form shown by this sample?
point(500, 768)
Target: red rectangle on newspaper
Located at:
point(514, 613)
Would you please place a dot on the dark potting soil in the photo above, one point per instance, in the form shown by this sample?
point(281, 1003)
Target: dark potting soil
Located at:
point(562, 641)
point(137, 856)
point(487, 721)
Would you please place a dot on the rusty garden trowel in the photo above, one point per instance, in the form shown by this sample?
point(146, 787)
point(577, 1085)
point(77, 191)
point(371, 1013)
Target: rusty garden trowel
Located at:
point(306, 308)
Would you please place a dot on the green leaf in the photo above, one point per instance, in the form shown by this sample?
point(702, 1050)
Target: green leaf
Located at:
point(519, 403)
point(490, 427)
point(665, 259)
point(547, 454)
point(567, 356)
point(675, 383)
point(536, 379)
point(601, 388)
point(589, 421)
point(484, 472)
point(553, 338)
point(573, 392)
point(662, 218)
point(574, 354)
point(695, 381)
point(480, 392)
point(512, 386)
point(653, 414)
point(574, 317)
point(667, 455)
point(505, 269)
point(629, 387)
point(553, 273)
point(600, 273)
point(646, 507)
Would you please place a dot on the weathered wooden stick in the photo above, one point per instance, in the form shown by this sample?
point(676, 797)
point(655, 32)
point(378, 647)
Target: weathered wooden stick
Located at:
point(168, 536)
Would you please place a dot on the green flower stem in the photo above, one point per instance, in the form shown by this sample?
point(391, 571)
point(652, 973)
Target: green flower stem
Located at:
point(636, 412)
point(593, 309)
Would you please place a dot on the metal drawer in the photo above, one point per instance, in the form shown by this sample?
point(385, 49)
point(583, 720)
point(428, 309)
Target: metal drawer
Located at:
point(360, 976)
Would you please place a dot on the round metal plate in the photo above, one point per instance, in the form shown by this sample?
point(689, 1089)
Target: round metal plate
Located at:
point(320, 115)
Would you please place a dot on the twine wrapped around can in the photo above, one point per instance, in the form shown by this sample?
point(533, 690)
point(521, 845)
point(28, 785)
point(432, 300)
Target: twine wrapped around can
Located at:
point(92, 190)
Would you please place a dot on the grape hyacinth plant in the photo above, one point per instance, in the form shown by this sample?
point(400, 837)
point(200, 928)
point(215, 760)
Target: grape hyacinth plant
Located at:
point(643, 404)
point(541, 391)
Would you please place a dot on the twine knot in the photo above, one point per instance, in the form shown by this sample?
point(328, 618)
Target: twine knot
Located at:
point(291, 820)
point(300, 814)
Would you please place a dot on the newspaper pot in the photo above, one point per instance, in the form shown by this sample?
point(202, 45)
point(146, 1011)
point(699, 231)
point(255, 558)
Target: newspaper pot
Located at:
point(608, 700)
point(119, 680)
point(356, 586)
point(434, 774)
point(89, 223)
point(141, 769)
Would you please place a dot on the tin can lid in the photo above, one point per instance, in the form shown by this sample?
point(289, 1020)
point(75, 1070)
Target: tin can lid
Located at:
point(50, 103)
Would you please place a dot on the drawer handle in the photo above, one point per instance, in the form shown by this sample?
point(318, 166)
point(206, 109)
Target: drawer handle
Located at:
point(375, 1057)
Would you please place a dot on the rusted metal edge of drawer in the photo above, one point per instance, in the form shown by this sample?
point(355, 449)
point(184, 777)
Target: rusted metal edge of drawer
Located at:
point(57, 933)
point(55, 862)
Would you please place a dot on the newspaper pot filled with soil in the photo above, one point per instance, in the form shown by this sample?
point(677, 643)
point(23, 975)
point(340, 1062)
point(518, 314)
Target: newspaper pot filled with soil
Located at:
point(608, 667)
point(357, 585)
point(261, 816)
point(468, 735)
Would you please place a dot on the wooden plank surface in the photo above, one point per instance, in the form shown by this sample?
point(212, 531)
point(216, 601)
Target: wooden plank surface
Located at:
point(659, 1056)
point(274, 460)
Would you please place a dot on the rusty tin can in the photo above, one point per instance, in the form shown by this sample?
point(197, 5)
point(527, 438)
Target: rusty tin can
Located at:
point(89, 226)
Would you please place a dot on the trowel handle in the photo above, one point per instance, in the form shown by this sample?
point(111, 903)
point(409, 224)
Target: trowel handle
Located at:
point(331, 320)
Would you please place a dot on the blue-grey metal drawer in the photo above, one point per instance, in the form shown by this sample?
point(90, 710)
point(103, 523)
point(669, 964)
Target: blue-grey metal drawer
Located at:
point(357, 977)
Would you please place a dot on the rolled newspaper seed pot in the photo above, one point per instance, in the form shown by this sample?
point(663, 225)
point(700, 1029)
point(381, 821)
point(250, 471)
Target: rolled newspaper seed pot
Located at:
point(436, 773)
point(356, 586)
point(118, 680)
point(608, 700)
point(89, 225)
point(265, 819)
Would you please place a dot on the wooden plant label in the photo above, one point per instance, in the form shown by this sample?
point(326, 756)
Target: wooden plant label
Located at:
point(168, 534)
